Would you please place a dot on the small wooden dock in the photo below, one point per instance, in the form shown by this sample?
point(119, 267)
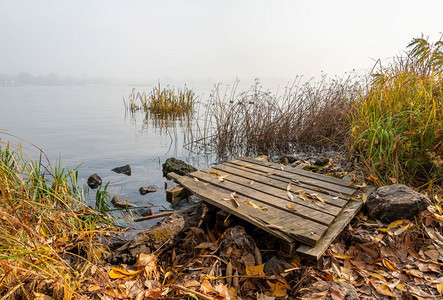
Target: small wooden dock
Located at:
point(305, 210)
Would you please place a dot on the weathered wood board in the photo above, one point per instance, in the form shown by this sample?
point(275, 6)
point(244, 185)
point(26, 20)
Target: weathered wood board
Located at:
point(306, 210)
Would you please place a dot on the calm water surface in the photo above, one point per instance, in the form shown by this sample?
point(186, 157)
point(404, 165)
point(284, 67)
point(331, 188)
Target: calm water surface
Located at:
point(88, 125)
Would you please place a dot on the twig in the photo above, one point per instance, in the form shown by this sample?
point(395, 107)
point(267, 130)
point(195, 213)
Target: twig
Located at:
point(154, 216)
point(198, 294)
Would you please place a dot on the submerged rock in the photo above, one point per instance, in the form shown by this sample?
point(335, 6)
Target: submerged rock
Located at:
point(123, 170)
point(148, 189)
point(395, 202)
point(121, 203)
point(177, 166)
point(94, 181)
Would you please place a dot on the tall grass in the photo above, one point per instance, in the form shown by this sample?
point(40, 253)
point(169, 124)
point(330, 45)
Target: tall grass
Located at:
point(164, 103)
point(260, 122)
point(49, 238)
point(397, 122)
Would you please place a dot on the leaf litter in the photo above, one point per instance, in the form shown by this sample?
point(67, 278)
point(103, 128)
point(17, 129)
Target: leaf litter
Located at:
point(369, 260)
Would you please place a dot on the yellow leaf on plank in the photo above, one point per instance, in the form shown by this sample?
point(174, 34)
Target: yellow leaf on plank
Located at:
point(321, 191)
point(245, 166)
point(255, 271)
point(289, 187)
point(215, 172)
point(290, 206)
point(303, 196)
point(440, 288)
point(364, 198)
point(262, 208)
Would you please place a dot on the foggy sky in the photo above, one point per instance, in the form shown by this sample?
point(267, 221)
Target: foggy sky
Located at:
point(213, 40)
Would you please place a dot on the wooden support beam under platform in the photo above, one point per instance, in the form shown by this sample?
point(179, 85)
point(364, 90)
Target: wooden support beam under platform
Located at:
point(305, 210)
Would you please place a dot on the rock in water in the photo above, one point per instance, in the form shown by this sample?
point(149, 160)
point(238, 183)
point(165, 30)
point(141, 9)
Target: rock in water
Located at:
point(395, 202)
point(121, 203)
point(148, 189)
point(123, 170)
point(177, 166)
point(94, 181)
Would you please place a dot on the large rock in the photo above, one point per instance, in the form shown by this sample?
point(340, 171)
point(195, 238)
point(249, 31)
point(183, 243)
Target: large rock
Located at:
point(121, 203)
point(123, 170)
point(395, 202)
point(148, 189)
point(94, 181)
point(177, 166)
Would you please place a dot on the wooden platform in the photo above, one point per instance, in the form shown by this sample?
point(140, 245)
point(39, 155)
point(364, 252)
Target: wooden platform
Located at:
point(305, 210)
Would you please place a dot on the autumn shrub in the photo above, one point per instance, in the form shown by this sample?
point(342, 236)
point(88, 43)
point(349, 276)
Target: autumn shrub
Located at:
point(397, 121)
point(49, 238)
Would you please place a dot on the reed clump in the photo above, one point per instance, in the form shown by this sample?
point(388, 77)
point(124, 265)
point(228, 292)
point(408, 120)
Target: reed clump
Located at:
point(397, 121)
point(50, 239)
point(164, 103)
point(260, 122)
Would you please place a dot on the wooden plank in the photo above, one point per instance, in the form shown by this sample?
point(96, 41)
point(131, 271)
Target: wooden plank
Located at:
point(280, 192)
point(302, 178)
point(312, 175)
point(302, 230)
point(279, 183)
point(267, 199)
point(334, 229)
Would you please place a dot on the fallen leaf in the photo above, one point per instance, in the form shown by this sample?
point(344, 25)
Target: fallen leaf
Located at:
point(206, 287)
point(119, 272)
point(255, 271)
point(364, 198)
point(389, 265)
point(402, 229)
point(395, 224)
point(321, 191)
point(290, 197)
point(342, 256)
point(94, 288)
point(383, 289)
point(251, 182)
point(204, 245)
point(278, 289)
point(290, 206)
point(262, 208)
point(289, 187)
point(245, 166)
point(39, 296)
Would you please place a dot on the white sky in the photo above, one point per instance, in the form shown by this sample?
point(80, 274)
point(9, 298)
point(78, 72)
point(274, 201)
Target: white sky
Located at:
point(208, 39)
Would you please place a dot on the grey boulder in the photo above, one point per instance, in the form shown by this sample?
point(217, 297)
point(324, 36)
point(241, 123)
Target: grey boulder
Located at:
point(126, 169)
point(177, 166)
point(395, 202)
point(94, 181)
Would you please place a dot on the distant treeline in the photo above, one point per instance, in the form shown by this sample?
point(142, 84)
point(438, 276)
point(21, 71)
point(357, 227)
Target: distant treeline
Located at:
point(25, 78)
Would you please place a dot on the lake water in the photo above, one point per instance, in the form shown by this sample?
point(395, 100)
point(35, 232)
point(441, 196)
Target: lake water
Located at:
point(88, 125)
